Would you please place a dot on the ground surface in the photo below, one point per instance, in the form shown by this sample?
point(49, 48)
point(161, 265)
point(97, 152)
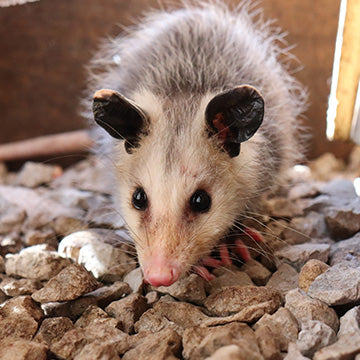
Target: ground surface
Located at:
point(71, 288)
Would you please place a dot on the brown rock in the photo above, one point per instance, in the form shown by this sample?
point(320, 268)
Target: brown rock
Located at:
point(229, 352)
point(305, 308)
point(268, 343)
point(294, 353)
point(104, 331)
point(2, 265)
point(53, 329)
point(135, 279)
point(190, 288)
point(92, 313)
point(309, 272)
point(258, 273)
point(13, 287)
point(235, 299)
point(284, 279)
point(35, 263)
point(98, 351)
point(128, 310)
point(201, 342)
point(20, 349)
point(100, 297)
point(19, 326)
point(228, 279)
point(298, 255)
point(163, 345)
point(152, 297)
point(69, 284)
point(345, 348)
point(283, 325)
point(33, 174)
point(347, 251)
point(37, 237)
point(175, 315)
point(21, 306)
point(65, 224)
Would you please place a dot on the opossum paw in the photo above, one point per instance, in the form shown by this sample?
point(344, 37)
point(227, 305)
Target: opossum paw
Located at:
point(241, 248)
point(253, 234)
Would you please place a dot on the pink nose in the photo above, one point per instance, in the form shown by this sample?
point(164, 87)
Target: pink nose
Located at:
point(160, 273)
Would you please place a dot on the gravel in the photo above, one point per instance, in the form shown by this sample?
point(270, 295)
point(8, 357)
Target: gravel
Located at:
point(71, 288)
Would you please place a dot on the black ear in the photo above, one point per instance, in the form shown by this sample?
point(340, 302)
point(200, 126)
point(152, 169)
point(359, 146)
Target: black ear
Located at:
point(234, 116)
point(120, 117)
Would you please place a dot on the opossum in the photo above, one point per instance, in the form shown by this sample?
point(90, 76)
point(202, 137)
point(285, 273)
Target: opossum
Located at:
point(202, 114)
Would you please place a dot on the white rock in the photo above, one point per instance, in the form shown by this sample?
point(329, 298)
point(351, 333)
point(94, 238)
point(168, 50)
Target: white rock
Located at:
point(313, 336)
point(350, 322)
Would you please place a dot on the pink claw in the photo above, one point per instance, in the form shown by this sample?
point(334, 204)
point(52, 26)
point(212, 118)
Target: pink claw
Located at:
point(203, 272)
point(253, 234)
point(242, 250)
point(224, 255)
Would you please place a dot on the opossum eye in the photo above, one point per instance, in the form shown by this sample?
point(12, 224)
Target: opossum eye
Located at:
point(200, 201)
point(139, 199)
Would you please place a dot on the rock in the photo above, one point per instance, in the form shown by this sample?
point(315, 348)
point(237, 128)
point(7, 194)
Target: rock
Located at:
point(53, 329)
point(75, 308)
point(2, 264)
point(13, 287)
point(21, 306)
point(190, 288)
point(227, 279)
point(101, 331)
point(34, 174)
point(92, 313)
point(326, 166)
point(257, 272)
point(105, 261)
point(98, 351)
point(88, 175)
point(20, 349)
point(249, 300)
point(341, 191)
point(350, 322)
point(35, 262)
point(68, 284)
point(283, 326)
point(268, 343)
point(298, 255)
point(163, 345)
point(279, 207)
point(303, 229)
point(64, 225)
point(11, 216)
point(18, 326)
point(344, 221)
point(105, 216)
point(152, 297)
point(89, 248)
point(294, 353)
point(39, 208)
point(346, 251)
point(201, 342)
point(284, 279)
point(313, 336)
point(305, 308)
point(37, 237)
point(128, 311)
point(175, 315)
point(10, 243)
point(135, 279)
point(309, 272)
point(304, 190)
point(345, 348)
point(339, 285)
point(229, 352)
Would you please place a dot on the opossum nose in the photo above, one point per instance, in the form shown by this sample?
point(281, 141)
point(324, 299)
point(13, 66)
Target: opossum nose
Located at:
point(161, 274)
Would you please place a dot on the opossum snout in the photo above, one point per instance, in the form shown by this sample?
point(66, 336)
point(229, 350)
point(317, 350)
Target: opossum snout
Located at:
point(160, 272)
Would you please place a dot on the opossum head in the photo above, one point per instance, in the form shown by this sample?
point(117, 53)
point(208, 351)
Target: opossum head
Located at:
point(182, 179)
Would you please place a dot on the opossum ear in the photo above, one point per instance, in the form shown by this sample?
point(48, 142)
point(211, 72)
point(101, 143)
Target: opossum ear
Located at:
point(119, 116)
point(234, 116)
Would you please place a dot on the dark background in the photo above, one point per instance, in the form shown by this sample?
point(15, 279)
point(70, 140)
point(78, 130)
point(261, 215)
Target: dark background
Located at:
point(45, 45)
